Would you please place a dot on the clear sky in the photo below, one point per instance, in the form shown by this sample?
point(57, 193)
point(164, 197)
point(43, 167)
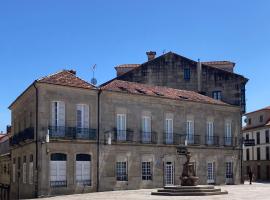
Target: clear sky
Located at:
point(40, 37)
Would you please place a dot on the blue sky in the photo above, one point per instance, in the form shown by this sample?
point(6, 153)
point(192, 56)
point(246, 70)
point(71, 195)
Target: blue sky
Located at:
point(39, 37)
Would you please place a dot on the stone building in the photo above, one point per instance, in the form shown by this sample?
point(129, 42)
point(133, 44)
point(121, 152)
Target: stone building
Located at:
point(257, 158)
point(69, 136)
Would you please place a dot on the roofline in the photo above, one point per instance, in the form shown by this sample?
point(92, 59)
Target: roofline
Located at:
point(256, 111)
point(163, 97)
point(254, 127)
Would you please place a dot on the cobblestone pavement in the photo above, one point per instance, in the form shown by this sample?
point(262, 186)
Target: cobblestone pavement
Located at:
point(256, 191)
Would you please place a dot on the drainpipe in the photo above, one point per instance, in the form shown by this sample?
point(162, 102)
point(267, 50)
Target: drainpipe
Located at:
point(36, 130)
point(98, 136)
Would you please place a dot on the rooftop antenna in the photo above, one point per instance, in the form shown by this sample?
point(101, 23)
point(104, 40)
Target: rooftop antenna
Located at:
point(94, 80)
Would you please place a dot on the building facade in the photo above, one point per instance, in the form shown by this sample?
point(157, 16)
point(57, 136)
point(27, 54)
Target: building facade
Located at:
point(69, 136)
point(257, 158)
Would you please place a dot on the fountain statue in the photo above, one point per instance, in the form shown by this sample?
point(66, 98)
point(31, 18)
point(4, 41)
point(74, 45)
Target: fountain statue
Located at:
point(188, 177)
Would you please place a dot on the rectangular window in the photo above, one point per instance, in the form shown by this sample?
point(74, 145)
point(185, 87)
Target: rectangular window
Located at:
point(258, 172)
point(190, 132)
point(210, 172)
point(210, 133)
point(83, 169)
point(228, 133)
point(146, 129)
point(229, 170)
point(258, 153)
point(58, 118)
point(121, 171)
point(267, 153)
point(14, 170)
point(247, 154)
point(261, 118)
point(31, 168)
point(247, 136)
point(217, 95)
point(267, 136)
point(24, 170)
point(187, 73)
point(146, 171)
point(169, 130)
point(258, 137)
point(121, 123)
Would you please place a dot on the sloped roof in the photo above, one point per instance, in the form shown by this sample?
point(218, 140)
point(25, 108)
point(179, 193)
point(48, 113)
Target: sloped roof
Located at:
point(158, 91)
point(66, 78)
point(127, 66)
point(266, 108)
point(266, 124)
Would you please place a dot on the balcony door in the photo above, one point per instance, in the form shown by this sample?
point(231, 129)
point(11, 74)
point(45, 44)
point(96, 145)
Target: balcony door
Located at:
point(190, 132)
point(121, 127)
point(146, 129)
point(57, 127)
point(82, 121)
point(228, 134)
point(210, 133)
point(169, 131)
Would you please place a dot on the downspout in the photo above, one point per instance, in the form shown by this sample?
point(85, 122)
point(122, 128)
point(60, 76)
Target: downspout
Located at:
point(98, 136)
point(36, 130)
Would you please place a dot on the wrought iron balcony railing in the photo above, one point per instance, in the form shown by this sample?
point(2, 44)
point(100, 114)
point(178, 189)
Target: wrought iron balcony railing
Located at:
point(212, 140)
point(22, 136)
point(123, 135)
point(148, 137)
point(71, 133)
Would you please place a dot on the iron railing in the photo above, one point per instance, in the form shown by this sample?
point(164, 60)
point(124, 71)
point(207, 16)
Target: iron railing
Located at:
point(123, 135)
point(148, 137)
point(22, 136)
point(212, 140)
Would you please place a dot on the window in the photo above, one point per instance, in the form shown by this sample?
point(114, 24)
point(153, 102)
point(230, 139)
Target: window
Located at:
point(247, 136)
point(210, 133)
point(210, 172)
point(31, 168)
point(58, 165)
point(247, 154)
point(217, 95)
point(121, 127)
point(169, 130)
point(146, 171)
point(190, 131)
point(258, 153)
point(187, 73)
point(267, 153)
point(82, 120)
point(267, 136)
point(58, 118)
point(228, 133)
point(14, 170)
point(258, 137)
point(83, 169)
point(24, 170)
point(121, 171)
point(146, 129)
point(261, 118)
point(258, 172)
point(249, 121)
point(229, 170)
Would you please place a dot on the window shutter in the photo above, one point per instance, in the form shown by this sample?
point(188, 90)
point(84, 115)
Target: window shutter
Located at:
point(61, 117)
point(53, 113)
point(61, 170)
point(86, 116)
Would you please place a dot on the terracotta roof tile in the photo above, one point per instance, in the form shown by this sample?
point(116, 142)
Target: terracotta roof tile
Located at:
point(158, 91)
point(66, 78)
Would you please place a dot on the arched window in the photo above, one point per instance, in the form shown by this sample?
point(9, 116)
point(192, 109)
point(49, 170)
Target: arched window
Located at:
point(83, 169)
point(58, 174)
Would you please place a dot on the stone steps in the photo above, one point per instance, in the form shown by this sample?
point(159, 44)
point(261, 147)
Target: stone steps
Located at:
point(189, 191)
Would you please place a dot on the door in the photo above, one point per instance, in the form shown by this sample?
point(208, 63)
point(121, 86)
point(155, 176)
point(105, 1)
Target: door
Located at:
point(169, 173)
point(210, 173)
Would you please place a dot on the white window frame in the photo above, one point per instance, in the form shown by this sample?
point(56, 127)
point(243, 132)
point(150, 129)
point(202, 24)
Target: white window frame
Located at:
point(146, 129)
point(121, 171)
point(229, 170)
point(31, 172)
point(169, 173)
point(146, 167)
point(58, 173)
point(211, 172)
point(58, 117)
point(228, 133)
point(82, 121)
point(190, 131)
point(121, 126)
point(210, 132)
point(169, 130)
point(83, 172)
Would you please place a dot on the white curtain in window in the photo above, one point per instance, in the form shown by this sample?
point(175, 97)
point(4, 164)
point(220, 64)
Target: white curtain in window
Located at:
point(83, 169)
point(58, 171)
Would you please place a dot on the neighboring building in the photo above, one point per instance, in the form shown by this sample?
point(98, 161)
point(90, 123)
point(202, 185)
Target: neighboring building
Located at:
point(215, 79)
point(69, 136)
point(257, 157)
point(4, 166)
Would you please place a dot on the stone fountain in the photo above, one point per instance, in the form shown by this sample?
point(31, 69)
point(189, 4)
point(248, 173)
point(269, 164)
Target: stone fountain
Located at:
point(189, 181)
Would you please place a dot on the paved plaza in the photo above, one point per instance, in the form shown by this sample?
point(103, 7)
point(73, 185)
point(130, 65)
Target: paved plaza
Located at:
point(256, 191)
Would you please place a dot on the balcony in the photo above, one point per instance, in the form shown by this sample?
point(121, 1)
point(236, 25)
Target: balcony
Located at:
point(212, 140)
point(228, 141)
point(190, 139)
point(148, 137)
point(171, 138)
point(71, 133)
point(22, 136)
point(123, 135)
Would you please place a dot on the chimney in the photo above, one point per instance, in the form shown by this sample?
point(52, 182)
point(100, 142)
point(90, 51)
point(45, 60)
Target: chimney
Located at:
point(8, 129)
point(151, 55)
point(199, 75)
point(72, 71)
